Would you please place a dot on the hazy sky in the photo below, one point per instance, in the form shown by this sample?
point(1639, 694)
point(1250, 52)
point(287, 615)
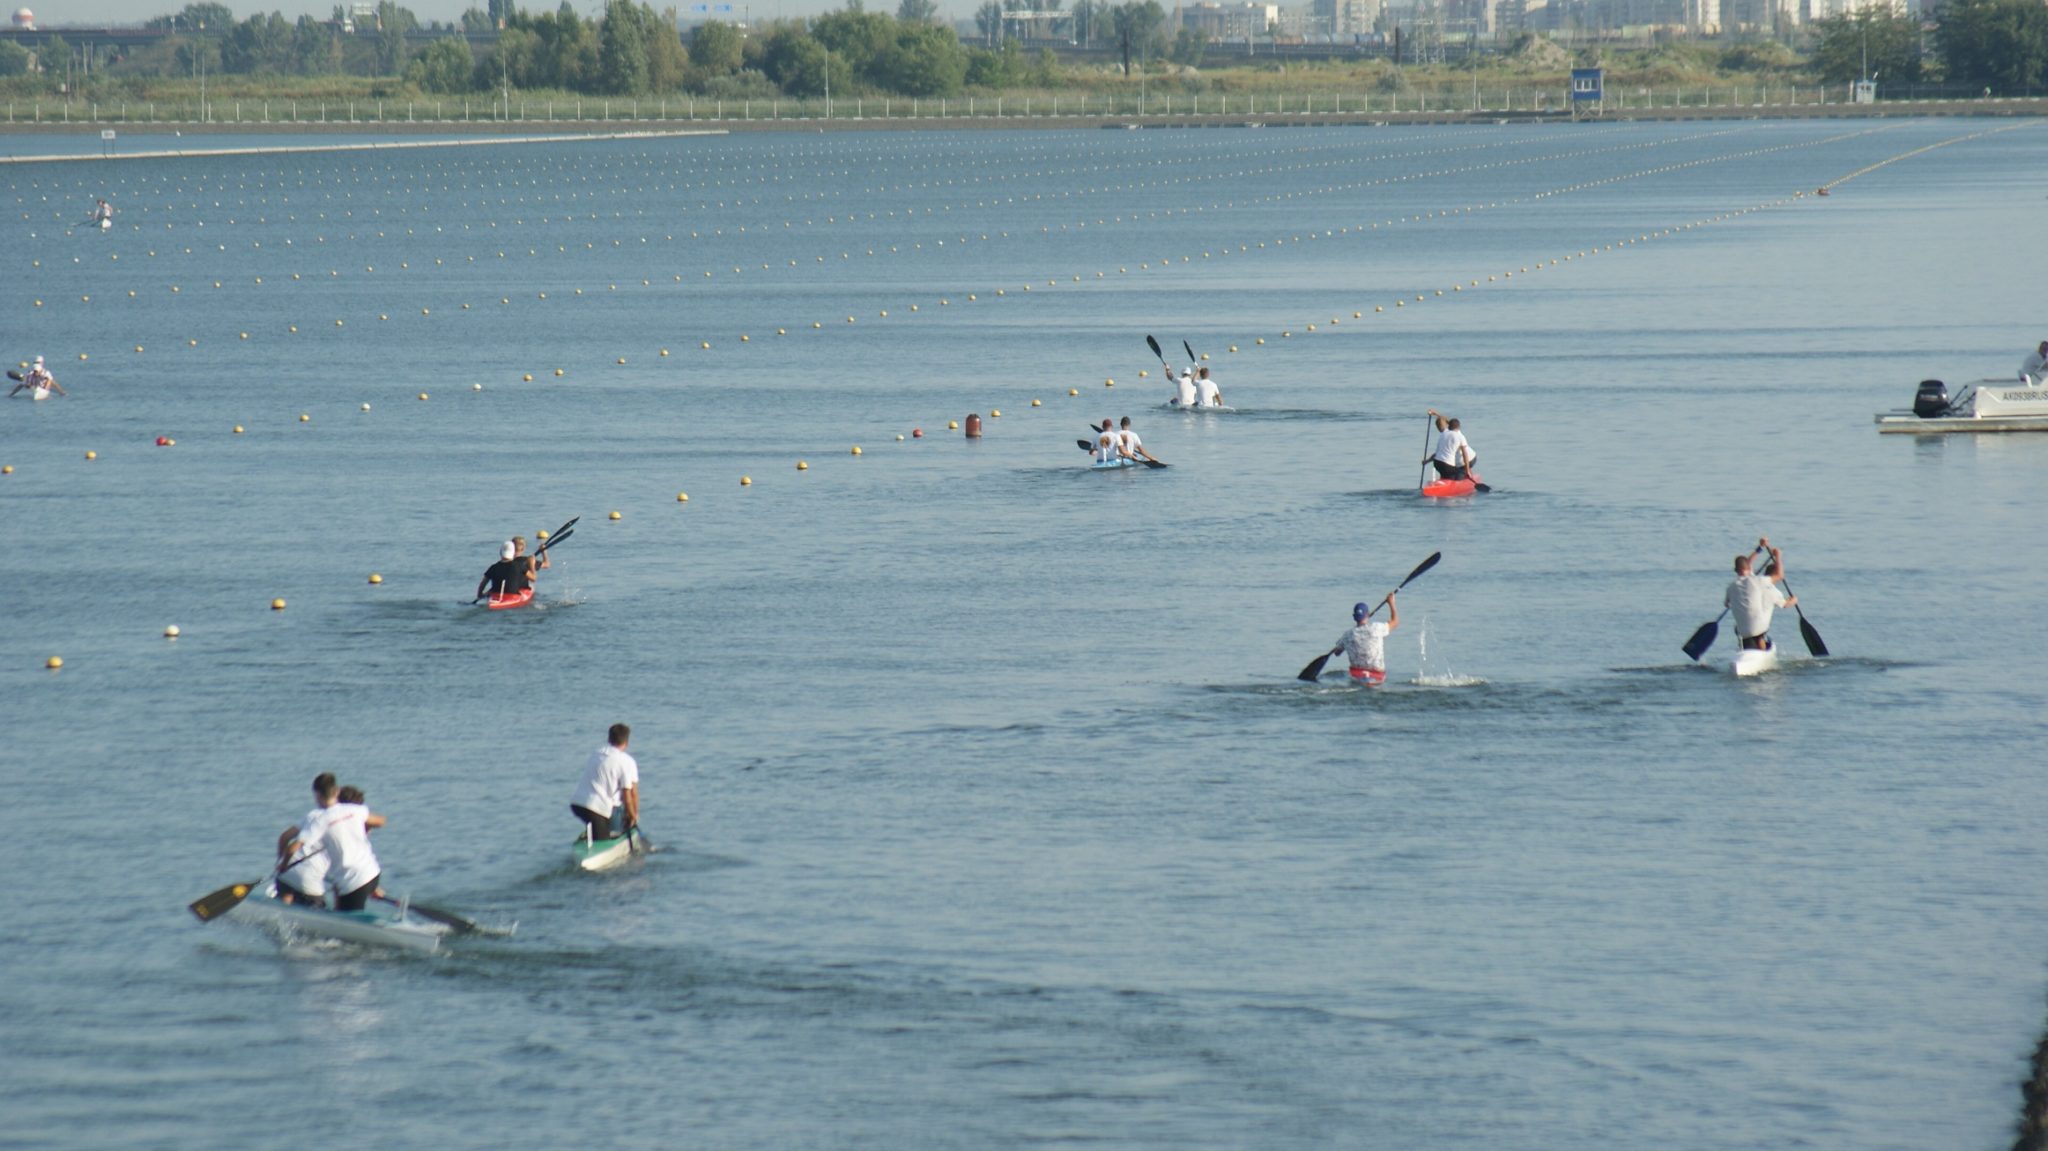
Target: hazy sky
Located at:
point(99, 12)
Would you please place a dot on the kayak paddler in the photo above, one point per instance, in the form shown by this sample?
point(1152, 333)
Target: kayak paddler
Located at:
point(610, 788)
point(38, 377)
point(532, 566)
point(1365, 644)
point(1128, 443)
point(1108, 443)
point(1184, 391)
point(343, 835)
point(1751, 598)
point(1211, 395)
point(302, 872)
point(1453, 457)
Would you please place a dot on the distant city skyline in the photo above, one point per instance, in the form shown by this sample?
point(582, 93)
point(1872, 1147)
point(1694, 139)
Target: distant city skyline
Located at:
point(96, 13)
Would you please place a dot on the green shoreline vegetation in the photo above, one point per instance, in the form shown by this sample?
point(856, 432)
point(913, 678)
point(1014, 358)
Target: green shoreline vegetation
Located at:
point(508, 62)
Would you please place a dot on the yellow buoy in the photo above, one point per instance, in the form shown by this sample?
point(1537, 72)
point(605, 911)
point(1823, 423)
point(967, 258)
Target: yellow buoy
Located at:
point(1261, 341)
point(664, 351)
point(6, 469)
point(558, 371)
point(682, 497)
point(614, 515)
point(995, 413)
point(277, 605)
point(1073, 391)
point(1109, 383)
point(238, 429)
point(746, 481)
point(1034, 403)
point(54, 662)
point(304, 418)
point(705, 345)
point(899, 437)
point(528, 377)
point(802, 466)
point(171, 632)
point(856, 449)
point(1233, 347)
point(375, 578)
point(622, 359)
point(952, 425)
point(476, 387)
point(92, 455)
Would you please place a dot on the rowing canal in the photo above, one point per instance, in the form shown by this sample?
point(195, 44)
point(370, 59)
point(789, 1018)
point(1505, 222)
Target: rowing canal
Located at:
point(991, 812)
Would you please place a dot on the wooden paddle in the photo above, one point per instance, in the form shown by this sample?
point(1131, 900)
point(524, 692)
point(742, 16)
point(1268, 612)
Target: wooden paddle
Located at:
point(1807, 631)
point(1314, 670)
point(1711, 630)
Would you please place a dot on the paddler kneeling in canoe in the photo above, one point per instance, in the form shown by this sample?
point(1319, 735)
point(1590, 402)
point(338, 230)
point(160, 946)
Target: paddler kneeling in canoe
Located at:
point(302, 871)
point(1453, 457)
point(1365, 644)
point(610, 788)
point(342, 835)
point(1752, 598)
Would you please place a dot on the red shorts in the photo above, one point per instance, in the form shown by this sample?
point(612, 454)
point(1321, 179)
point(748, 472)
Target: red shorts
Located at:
point(1368, 675)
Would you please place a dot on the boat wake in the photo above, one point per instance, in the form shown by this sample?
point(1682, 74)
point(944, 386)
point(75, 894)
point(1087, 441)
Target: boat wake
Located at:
point(1448, 680)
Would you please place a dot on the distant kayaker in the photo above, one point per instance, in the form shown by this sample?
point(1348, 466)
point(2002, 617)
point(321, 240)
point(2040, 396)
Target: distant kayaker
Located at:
point(532, 566)
point(2031, 369)
point(1108, 443)
point(1128, 443)
point(1453, 457)
point(38, 377)
point(353, 869)
point(1211, 395)
point(1752, 598)
point(610, 788)
point(1184, 391)
point(302, 871)
point(1365, 644)
point(102, 212)
point(508, 576)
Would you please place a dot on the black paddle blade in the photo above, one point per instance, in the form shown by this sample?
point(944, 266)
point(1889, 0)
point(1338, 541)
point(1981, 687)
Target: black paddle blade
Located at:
point(13, 375)
point(1154, 464)
point(1702, 640)
point(1424, 566)
point(1314, 671)
point(1084, 445)
point(553, 540)
point(1154, 345)
point(221, 902)
point(1812, 638)
point(1190, 351)
point(1479, 487)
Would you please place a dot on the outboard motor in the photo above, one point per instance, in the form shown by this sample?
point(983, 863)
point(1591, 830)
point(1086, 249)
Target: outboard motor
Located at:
point(1931, 401)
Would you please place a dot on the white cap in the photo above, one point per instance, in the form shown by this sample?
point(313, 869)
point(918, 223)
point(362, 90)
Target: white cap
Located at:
point(508, 551)
point(39, 361)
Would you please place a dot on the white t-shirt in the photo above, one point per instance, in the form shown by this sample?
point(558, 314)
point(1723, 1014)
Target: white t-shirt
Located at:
point(1365, 645)
point(346, 834)
point(1184, 392)
point(605, 779)
point(309, 875)
point(1752, 598)
point(1448, 442)
point(2033, 364)
point(1105, 447)
point(1130, 440)
point(1212, 397)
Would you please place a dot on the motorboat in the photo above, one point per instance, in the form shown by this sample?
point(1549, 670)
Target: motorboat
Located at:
point(1996, 405)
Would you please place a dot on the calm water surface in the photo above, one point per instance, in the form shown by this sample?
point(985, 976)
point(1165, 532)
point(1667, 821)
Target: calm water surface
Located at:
point(992, 815)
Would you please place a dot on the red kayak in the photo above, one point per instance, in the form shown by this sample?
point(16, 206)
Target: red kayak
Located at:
point(1448, 489)
point(515, 599)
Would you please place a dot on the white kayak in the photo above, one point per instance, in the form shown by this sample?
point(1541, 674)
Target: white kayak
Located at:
point(379, 925)
point(1192, 408)
point(1751, 661)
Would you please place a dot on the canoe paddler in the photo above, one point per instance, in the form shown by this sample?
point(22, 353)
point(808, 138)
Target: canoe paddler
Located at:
point(353, 871)
point(1365, 645)
point(610, 788)
point(1184, 391)
point(1453, 457)
point(302, 871)
point(1751, 598)
point(1211, 395)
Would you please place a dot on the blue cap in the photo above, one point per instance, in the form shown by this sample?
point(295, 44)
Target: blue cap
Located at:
point(1359, 612)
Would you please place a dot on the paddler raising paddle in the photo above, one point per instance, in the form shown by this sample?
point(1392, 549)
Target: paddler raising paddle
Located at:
point(1184, 391)
point(1453, 457)
point(1752, 598)
point(610, 788)
point(1365, 644)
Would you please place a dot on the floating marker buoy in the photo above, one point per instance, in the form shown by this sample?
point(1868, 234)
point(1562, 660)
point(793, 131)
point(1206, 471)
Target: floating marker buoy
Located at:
point(952, 425)
point(304, 418)
point(917, 433)
point(1109, 383)
point(54, 662)
point(995, 413)
point(746, 481)
point(1034, 403)
point(476, 387)
point(81, 355)
point(614, 516)
point(802, 466)
point(899, 437)
point(423, 396)
point(163, 441)
point(277, 605)
point(622, 359)
point(138, 348)
point(1261, 341)
point(238, 429)
point(92, 455)
point(558, 371)
point(682, 497)
point(1073, 391)
point(295, 327)
point(528, 377)
point(1143, 373)
point(780, 332)
point(375, 578)
point(1233, 347)
point(6, 469)
point(706, 345)
point(664, 351)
